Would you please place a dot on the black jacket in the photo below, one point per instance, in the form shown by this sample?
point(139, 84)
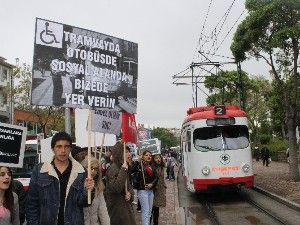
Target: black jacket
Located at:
point(137, 176)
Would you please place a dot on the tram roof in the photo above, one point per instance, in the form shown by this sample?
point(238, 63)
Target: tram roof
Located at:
point(208, 112)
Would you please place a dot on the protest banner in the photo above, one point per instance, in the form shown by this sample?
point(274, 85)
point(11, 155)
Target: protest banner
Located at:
point(129, 130)
point(79, 68)
point(106, 121)
point(46, 150)
point(144, 134)
point(12, 145)
point(81, 118)
point(153, 145)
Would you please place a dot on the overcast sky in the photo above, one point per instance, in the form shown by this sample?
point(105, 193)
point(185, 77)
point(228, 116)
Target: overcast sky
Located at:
point(167, 33)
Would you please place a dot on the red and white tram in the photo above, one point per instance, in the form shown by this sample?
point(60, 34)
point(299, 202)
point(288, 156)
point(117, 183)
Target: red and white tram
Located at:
point(216, 148)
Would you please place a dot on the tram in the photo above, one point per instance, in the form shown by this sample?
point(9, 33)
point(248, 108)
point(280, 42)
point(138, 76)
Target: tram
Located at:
point(216, 148)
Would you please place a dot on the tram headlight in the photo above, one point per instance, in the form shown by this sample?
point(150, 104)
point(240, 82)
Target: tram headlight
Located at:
point(205, 170)
point(246, 168)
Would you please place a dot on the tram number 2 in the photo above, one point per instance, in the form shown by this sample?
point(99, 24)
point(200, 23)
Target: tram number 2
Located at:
point(220, 110)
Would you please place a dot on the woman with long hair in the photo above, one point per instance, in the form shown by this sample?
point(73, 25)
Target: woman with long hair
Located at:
point(146, 179)
point(119, 192)
point(160, 188)
point(9, 206)
point(96, 214)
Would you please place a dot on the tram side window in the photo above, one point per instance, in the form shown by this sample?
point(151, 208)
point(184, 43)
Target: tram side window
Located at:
point(188, 140)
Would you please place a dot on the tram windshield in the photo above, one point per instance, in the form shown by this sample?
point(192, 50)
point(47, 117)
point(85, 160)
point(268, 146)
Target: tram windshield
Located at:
point(218, 138)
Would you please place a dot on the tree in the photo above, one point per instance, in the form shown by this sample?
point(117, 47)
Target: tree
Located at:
point(21, 94)
point(167, 138)
point(271, 32)
point(224, 88)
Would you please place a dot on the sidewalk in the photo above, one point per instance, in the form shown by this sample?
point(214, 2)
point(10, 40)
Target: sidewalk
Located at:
point(167, 214)
point(275, 179)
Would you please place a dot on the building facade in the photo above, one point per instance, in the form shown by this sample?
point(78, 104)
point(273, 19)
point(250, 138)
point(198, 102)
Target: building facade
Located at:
point(6, 75)
point(31, 121)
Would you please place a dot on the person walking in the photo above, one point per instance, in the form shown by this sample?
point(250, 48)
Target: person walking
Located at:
point(118, 196)
point(58, 189)
point(265, 155)
point(9, 206)
point(146, 179)
point(170, 167)
point(96, 214)
point(160, 188)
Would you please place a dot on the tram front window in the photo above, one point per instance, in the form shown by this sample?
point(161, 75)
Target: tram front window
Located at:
point(221, 138)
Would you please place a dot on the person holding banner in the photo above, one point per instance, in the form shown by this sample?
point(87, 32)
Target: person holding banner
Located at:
point(96, 214)
point(58, 190)
point(9, 206)
point(145, 181)
point(119, 192)
point(160, 188)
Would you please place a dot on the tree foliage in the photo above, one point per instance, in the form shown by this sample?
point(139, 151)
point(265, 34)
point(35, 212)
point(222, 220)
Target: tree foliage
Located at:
point(271, 32)
point(167, 138)
point(224, 89)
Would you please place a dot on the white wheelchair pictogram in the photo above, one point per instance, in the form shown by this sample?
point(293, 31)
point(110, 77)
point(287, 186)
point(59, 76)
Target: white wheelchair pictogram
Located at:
point(46, 36)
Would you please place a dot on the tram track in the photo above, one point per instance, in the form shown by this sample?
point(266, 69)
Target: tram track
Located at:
point(274, 217)
point(208, 209)
point(242, 207)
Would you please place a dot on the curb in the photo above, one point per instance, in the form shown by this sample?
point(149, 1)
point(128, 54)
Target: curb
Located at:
point(176, 200)
point(278, 198)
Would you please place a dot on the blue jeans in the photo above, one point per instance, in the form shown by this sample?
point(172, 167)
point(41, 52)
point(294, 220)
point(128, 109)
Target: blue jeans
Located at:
point(146, 200)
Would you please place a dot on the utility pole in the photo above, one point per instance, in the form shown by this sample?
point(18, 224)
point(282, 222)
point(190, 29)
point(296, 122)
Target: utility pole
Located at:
point(68, 121)
point(12, 107)
point(241, 85)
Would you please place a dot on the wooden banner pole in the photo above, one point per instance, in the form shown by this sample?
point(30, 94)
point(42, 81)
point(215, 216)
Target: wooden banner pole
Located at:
point(102, 143)
point(142, 166)
point(89, 153)
point(95, 148)
point(124, 156)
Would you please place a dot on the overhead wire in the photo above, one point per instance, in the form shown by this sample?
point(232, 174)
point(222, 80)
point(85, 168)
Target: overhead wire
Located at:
point(223, 18)
point(229, 31)
point(203, 26)
point(222, 25)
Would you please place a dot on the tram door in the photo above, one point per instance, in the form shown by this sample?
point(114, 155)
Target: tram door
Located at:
point(184, 156)
point(188, 151)
point(186, 146)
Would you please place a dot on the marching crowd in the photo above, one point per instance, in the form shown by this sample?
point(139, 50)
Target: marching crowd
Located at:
point(58, 190)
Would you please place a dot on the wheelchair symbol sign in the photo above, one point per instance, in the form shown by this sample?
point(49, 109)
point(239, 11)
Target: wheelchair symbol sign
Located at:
point(49, 33)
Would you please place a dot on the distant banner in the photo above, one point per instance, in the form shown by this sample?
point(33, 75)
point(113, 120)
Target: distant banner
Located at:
point(144, 134)
point(153, 145)
point(129, 130)
point(12, 145)
point(106, 121)
point(81, 118)
point(79, 68)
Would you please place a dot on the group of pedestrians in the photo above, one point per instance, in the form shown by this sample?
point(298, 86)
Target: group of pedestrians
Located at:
point(58, 190)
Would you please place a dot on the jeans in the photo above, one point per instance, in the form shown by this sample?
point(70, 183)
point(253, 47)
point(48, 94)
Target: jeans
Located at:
point(155, 215)
point(146, 200)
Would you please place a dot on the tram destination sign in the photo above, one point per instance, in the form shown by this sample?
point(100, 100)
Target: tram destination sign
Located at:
point(79, 68)
point(12, 145)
